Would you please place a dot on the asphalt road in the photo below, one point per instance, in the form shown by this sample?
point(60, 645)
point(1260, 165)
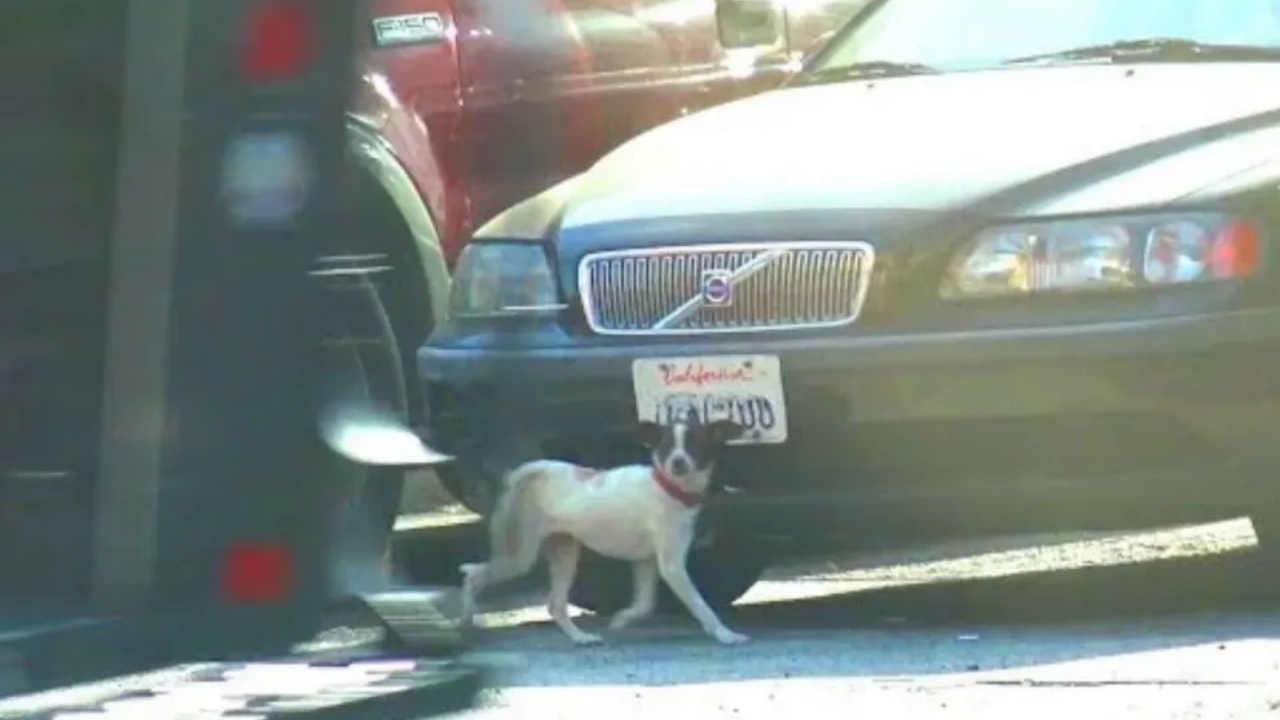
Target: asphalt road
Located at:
point(1141, 625)
point(1149, 625)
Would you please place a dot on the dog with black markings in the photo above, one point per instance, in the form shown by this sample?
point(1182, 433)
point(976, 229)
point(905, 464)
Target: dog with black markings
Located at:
point(644, 514)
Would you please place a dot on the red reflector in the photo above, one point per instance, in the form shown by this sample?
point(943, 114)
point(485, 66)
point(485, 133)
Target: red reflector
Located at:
point(277, 41)
point(1235, 251)
point(257, 573)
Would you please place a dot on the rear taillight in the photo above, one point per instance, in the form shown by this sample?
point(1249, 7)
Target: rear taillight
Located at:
point(258, 573)
point(278, 41)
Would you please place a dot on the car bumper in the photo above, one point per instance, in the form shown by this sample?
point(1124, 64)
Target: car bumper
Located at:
point(1119, 409)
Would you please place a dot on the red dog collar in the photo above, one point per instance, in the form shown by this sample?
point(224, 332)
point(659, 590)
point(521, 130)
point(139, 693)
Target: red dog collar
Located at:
point(670, 487)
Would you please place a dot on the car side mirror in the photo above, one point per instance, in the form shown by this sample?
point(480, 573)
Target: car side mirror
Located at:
point(748, 23)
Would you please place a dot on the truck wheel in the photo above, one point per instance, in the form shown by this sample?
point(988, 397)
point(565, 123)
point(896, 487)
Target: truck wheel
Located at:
point(723, 566)
point(470, 484)
point(393, 316)
point(361, 355)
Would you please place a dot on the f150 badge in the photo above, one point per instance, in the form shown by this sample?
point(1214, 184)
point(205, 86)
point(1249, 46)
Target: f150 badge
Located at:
point(415, 29)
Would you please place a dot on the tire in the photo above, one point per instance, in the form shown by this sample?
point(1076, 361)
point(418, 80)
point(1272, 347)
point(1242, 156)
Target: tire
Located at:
point(723, 565)
point(471, 485)
point(390, 387)
point(390, 312)
point(362, 347)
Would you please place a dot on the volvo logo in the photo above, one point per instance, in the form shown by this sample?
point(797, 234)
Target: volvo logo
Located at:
point(717, 287)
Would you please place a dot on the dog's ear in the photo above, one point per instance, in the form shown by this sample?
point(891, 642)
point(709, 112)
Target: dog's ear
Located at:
point(649, 434)
point(723, 431)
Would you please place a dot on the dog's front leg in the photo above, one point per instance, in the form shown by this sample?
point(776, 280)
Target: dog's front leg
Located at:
point(644, 588)
point(673, 551)
point(562, 564)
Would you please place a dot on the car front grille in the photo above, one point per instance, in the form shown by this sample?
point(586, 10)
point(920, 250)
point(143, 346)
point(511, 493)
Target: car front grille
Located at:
point(736, 287)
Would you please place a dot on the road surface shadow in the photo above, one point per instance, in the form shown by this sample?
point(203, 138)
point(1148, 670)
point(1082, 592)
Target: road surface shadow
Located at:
point(1127, 574)
point(914, 613)
point(1171, 622)
point(1147, 591)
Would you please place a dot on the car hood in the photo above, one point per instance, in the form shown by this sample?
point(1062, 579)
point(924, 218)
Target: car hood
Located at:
point(1013, 138)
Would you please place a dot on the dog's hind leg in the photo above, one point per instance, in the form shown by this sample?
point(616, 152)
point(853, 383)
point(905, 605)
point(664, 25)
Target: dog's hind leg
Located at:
point(478, 576)
point(515, 535)
point(562, 564)
point(644, 588)
point(500, 568)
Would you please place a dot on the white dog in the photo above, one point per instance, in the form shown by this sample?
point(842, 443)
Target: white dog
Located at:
point(641, 513)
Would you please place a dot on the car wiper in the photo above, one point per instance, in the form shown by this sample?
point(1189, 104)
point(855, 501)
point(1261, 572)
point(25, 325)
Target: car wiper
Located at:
point(1157, 49)
point(863, 70)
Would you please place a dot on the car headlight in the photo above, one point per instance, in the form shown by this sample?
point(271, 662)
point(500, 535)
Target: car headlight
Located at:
point(1103, 254)
point(495, 279)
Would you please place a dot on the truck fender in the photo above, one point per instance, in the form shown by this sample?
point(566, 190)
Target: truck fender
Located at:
point(374, 155)
point(364, 410)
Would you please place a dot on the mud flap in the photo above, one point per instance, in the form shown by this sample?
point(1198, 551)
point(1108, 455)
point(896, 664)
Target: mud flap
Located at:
point(414, 623)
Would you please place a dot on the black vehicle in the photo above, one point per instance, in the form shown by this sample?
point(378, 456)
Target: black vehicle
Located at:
point(983, 266)
point(197, 422)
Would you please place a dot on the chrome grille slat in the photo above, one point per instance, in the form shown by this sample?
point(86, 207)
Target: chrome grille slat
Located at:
point(786, 297)
point(802, 278)
point(808, 285)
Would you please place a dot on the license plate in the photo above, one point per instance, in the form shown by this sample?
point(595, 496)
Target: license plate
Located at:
point(744, 388)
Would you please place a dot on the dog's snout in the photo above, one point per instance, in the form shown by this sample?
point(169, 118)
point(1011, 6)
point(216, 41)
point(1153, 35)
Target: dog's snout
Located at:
point(680, 465)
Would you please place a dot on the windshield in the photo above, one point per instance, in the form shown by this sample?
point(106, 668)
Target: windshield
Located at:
point(960, 34)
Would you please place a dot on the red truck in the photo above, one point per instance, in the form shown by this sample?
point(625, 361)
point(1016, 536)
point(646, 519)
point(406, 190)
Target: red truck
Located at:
point(464, 107)
point(484, 102)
